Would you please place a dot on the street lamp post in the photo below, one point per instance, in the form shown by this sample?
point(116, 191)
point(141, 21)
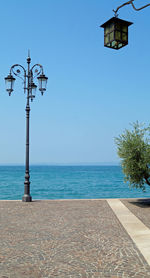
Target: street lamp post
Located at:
point(29, 87)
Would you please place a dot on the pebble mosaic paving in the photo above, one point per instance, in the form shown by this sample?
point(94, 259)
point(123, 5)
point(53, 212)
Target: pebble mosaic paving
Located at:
point(66, 239)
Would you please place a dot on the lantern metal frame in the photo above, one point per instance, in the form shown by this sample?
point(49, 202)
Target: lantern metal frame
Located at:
point(27, 77)
point(116, 33)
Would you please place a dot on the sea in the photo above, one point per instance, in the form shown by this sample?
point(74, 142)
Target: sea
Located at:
point(67, 182)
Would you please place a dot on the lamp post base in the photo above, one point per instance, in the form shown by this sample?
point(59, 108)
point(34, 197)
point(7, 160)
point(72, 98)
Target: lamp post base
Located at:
point(26, 198)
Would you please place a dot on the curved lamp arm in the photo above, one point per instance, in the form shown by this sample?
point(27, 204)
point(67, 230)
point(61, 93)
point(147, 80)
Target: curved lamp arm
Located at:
point(42, 79)
point(16, 71)
point(38, 70)
point(128, 3)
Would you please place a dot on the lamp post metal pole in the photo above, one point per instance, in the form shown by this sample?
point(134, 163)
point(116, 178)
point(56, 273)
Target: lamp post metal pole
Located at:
point(27, 197)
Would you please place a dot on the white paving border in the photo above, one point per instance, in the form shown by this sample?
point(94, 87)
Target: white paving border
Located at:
point(138, 232)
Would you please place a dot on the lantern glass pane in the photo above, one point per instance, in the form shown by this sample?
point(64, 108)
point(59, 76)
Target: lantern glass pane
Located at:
point(118, 35)
point(12, 84)
point(44, 85)
point(106, 39)
point(118, 26)
point(33, 90)
point(124, 37)
point(111, 36)
point(40, 83)
point(106, 30)
point(9, 84)
point(125, 28)
point(114, 44)
point(111, 27)
point(120, 45)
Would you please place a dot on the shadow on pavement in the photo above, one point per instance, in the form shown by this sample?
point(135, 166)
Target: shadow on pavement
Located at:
point(141, 203)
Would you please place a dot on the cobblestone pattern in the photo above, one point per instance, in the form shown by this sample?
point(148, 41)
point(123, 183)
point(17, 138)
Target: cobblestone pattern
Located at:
point(66, 239)
point(140, 208)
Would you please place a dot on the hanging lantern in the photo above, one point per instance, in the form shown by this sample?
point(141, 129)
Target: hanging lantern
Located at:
point(116, 33)
point(42, 83)
point(9, 80)
point(33, 91)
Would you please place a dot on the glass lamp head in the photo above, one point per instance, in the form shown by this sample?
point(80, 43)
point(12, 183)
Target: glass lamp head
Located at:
point(33, 90)
point(42, 83)
point(9, 81)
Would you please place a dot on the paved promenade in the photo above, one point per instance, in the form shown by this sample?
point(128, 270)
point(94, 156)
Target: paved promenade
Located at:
point(73, 239)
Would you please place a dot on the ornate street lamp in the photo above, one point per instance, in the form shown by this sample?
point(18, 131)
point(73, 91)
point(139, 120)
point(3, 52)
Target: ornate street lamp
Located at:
point(116, 29)
point(29, 87)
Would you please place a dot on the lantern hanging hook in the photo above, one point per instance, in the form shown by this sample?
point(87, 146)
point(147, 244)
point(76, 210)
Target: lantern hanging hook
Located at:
point(128, 3)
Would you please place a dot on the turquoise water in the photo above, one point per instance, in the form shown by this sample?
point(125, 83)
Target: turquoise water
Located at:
point(67, 182)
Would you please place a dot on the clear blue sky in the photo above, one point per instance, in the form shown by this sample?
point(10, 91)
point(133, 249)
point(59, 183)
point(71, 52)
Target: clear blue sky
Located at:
point(93, 92)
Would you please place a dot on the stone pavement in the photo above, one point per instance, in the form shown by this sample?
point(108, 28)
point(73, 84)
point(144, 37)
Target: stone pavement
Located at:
point(138, 232)
point(69, 239)
point(140, 208)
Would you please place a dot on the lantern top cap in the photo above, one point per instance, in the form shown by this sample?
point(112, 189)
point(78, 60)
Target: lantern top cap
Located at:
point(33, 85)
point(116, 19)
point(9, 77)
point(42, 76)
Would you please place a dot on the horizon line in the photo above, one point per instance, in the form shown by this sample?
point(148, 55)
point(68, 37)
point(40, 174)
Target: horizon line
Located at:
point(65, 164)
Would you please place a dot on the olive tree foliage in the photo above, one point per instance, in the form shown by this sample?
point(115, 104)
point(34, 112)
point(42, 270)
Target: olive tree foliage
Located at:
point(133, 148)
